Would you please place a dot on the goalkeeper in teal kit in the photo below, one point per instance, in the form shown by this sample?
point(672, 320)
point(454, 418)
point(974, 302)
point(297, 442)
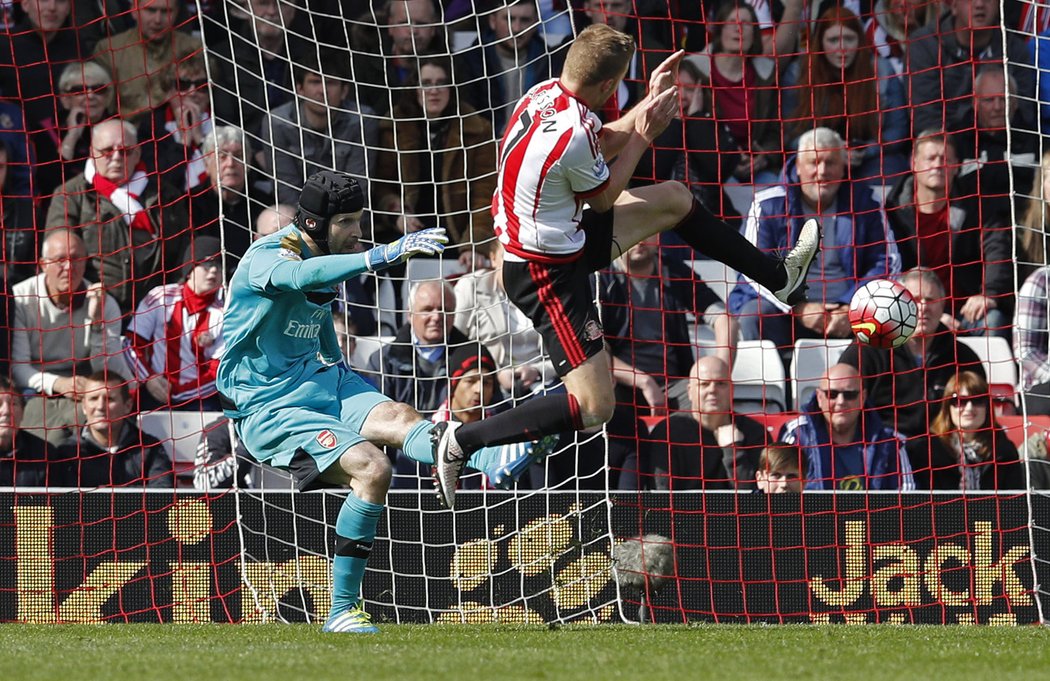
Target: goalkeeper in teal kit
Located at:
point(294, 402)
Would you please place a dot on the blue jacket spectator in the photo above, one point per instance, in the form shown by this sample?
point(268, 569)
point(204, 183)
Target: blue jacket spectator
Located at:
point(857, 246)
point(847, 446)
point(1040, 54)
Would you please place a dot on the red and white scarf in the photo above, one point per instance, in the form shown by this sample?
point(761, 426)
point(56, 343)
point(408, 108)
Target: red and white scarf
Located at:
point(125, 197)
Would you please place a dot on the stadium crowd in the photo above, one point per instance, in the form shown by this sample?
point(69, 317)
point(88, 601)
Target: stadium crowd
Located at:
point(136, 168)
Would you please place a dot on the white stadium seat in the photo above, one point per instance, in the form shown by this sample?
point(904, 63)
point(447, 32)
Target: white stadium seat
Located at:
point(721, 278)
point(812, 358)
point(994, 352)
point(758, 378)
point(179, 432)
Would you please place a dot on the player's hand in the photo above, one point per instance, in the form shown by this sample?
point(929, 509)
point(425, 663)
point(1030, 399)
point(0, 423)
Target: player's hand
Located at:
point(426, 242)
point(976, 308)
point(665, 75)
point(657, 113)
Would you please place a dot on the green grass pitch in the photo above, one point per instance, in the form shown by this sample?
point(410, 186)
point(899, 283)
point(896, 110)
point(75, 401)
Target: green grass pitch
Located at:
point(500, 653)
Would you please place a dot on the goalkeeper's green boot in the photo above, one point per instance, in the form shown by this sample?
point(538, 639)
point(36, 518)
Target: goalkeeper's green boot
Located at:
point(350, 621)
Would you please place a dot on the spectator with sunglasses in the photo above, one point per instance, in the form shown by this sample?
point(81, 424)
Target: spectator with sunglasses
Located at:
point(967, 449)
point(847, 446)
point(86, 96)
point(174, 130)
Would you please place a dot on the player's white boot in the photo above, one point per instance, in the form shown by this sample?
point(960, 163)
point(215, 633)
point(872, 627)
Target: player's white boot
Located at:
point(350, 621)
point(797, 263)
point(449, 460)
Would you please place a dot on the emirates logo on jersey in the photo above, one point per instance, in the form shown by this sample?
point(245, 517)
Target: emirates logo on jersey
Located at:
point(327, 439)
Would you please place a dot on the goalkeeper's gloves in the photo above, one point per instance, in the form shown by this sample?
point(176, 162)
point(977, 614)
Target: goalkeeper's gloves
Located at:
point(426, 241)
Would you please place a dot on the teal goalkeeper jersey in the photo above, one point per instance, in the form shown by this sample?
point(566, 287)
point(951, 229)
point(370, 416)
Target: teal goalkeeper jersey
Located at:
point(278, 320)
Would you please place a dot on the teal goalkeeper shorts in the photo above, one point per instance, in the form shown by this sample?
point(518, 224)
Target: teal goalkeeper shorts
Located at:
point(306, 431)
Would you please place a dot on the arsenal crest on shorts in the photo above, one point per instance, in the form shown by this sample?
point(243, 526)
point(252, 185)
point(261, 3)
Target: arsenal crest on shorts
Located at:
point(592, 330)
point(326, 439)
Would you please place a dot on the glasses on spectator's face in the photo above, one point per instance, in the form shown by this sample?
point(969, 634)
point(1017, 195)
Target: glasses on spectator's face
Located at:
point(188, 84)
point(96, 89)
point(849, 395)
point(114, 149)
point(960, 401)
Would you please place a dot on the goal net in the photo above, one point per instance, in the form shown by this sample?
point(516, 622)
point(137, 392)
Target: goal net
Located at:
point(923, 467)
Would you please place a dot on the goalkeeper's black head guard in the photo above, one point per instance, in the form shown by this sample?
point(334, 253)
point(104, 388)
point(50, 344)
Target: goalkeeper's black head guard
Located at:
point(327, 193)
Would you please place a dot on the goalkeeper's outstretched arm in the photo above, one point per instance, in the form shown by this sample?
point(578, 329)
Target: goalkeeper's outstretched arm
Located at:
point(324, 271)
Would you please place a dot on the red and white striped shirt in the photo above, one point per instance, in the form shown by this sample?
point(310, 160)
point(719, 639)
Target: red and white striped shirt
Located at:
point(550, 163)
point(178, 335)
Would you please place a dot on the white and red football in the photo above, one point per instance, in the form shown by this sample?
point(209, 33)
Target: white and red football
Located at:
point(882, 313)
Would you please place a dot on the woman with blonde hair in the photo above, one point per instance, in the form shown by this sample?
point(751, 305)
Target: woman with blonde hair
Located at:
point(1032, 233)
point(968, 450)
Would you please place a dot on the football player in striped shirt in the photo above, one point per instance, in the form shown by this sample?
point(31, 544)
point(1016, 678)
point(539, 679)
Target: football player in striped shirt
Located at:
point(552, 161)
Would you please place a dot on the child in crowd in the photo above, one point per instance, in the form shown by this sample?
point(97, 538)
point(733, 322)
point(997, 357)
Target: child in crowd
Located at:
point(781, 468)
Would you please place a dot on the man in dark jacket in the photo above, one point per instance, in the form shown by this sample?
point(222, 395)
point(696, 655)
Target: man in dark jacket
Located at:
point(905, 384)
point(647, 303)
point(25, 460)
point(847, 446)
point(939, 228)
point(110, 450)
point(990, 160)
point(414, 368)
point(506, 60)
point(943, 58)
point(387, 42)
point(710, 446)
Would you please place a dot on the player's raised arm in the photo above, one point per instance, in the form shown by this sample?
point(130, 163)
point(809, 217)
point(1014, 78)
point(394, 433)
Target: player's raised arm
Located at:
point(616, 134)
point(652, 118)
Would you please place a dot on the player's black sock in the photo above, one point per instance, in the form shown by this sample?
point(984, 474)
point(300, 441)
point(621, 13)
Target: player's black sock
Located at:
point(708, 234)
point(547, 415)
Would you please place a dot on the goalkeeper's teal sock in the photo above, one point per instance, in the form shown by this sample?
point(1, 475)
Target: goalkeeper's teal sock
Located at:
point(417, 445)
point(488, 458)
point(355, 529)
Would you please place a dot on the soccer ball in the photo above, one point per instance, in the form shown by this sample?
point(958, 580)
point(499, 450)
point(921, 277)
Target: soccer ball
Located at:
point(883, 313)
